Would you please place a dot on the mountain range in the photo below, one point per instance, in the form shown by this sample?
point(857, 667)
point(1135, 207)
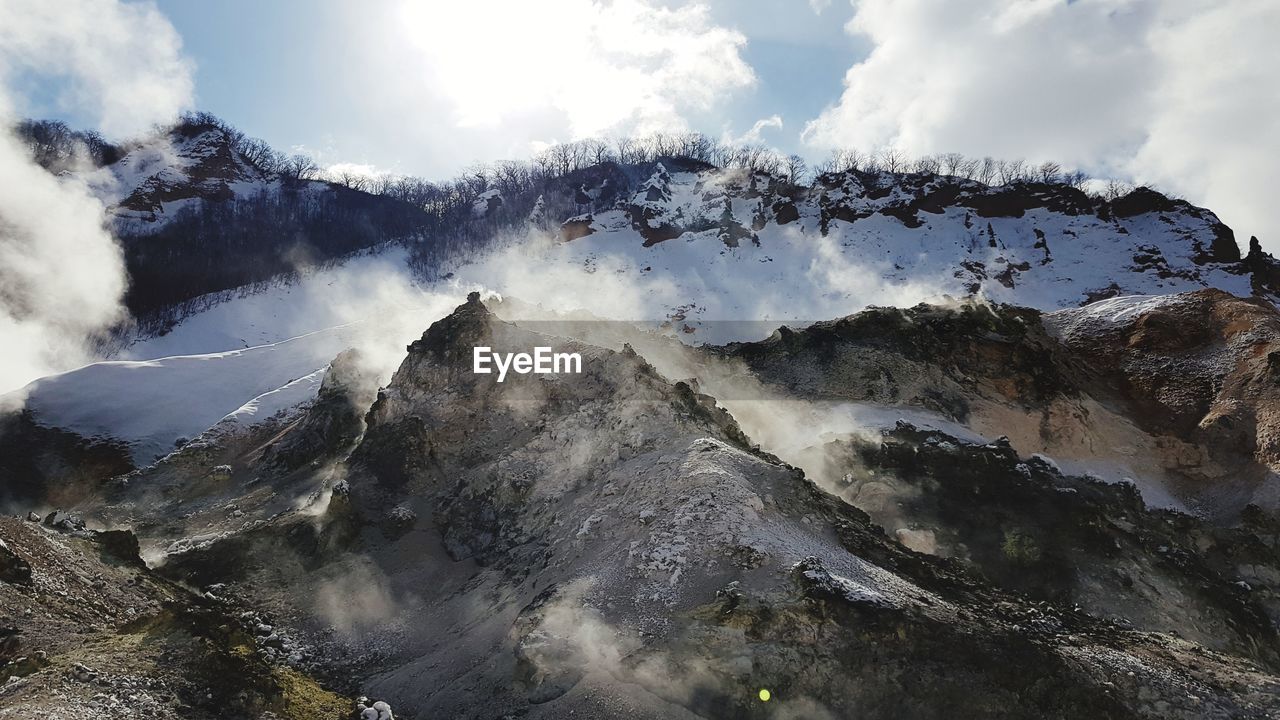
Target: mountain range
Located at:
point(879, 443)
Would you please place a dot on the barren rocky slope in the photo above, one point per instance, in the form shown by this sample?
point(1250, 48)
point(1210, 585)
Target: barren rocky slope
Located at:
point(1175, 392)
point(86, 631)
point(614, 543)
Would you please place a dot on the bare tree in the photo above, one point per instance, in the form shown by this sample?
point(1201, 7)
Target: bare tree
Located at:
point(928, 164)
point(892, 159)
point(476, 178)
point(511, 176)
point(795, 169)
point(254, 151)
point(544, 163)
point(986, 171)
point(598, 151)
point(695, 146)
point(1076, 179)
point(951, 163)
point(769, 162)
point(300, 167)
point(1017, 170)
point(383, 184)
point(1049, 172)
point(1010, 171)
point(1116, 189)
point(624, 149)
point(349, 179)
point(664, 145)
point(848, 159)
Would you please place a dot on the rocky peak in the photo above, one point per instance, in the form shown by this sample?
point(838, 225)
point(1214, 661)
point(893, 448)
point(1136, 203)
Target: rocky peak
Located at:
point(190, 162)
point(436, 385)
point(348, 373)
point(580, 537)
point(1263, 269)
point(468, 322)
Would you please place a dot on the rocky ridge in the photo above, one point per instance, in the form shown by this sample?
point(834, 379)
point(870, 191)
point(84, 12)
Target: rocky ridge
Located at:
point(615, 543)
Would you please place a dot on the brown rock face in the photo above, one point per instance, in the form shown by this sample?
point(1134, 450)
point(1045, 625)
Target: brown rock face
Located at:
point(1196, 367)
point(1183, 387)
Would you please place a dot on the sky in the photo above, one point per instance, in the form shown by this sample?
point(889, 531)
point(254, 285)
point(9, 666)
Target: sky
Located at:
point(1178, 94)
point(1181, 95)
point(433, 90)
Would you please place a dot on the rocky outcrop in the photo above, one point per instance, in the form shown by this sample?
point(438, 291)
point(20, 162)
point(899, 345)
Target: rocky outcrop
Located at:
point(612, 543)
point(1189, 375)
point(333, 421)
point(88, 636)
point(578, 226)
point(1195, 367)
point(937, 357)
point(44, 465)
point(1263, 269)
point(998, 241)
point(208, 167)
point(13, 567)
point(1070, 540)
point(649, 209)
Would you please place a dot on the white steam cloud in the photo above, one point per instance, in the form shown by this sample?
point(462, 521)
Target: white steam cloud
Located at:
point(1177, 94)
point(756, 134)
point(356, 598)
point(713, 293)
point(61, 273)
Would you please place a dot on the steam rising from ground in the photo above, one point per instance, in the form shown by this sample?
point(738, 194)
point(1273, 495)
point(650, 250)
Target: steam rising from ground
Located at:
point(723, 294)
point(386, 310)
point(604, 297)
point(61, 274)
point(356, 599)
point(549, 288)
point(544, 285)
point(572, 639)
point(382, 308)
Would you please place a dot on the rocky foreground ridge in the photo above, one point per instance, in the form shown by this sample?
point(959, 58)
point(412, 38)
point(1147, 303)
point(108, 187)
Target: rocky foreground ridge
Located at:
point(618, 543)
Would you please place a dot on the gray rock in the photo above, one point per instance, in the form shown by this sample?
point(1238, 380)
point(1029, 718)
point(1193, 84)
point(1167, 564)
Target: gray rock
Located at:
point(13, 567)
point(64, 521)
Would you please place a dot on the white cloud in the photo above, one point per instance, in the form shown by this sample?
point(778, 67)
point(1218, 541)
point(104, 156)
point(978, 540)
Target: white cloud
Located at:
point(626, 65)
point(123, 61)
point(1179, 93)
point(61, 274)
point(358, 170)
point(755, 134)
point(1215, 130)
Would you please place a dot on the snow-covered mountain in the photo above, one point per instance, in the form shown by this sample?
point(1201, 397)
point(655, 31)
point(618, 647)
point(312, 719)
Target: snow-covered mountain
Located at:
point(923, 420)
point(739, 245)
point(698, 245)
point(158, 177)
point(710, 255)
point(200, 209)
